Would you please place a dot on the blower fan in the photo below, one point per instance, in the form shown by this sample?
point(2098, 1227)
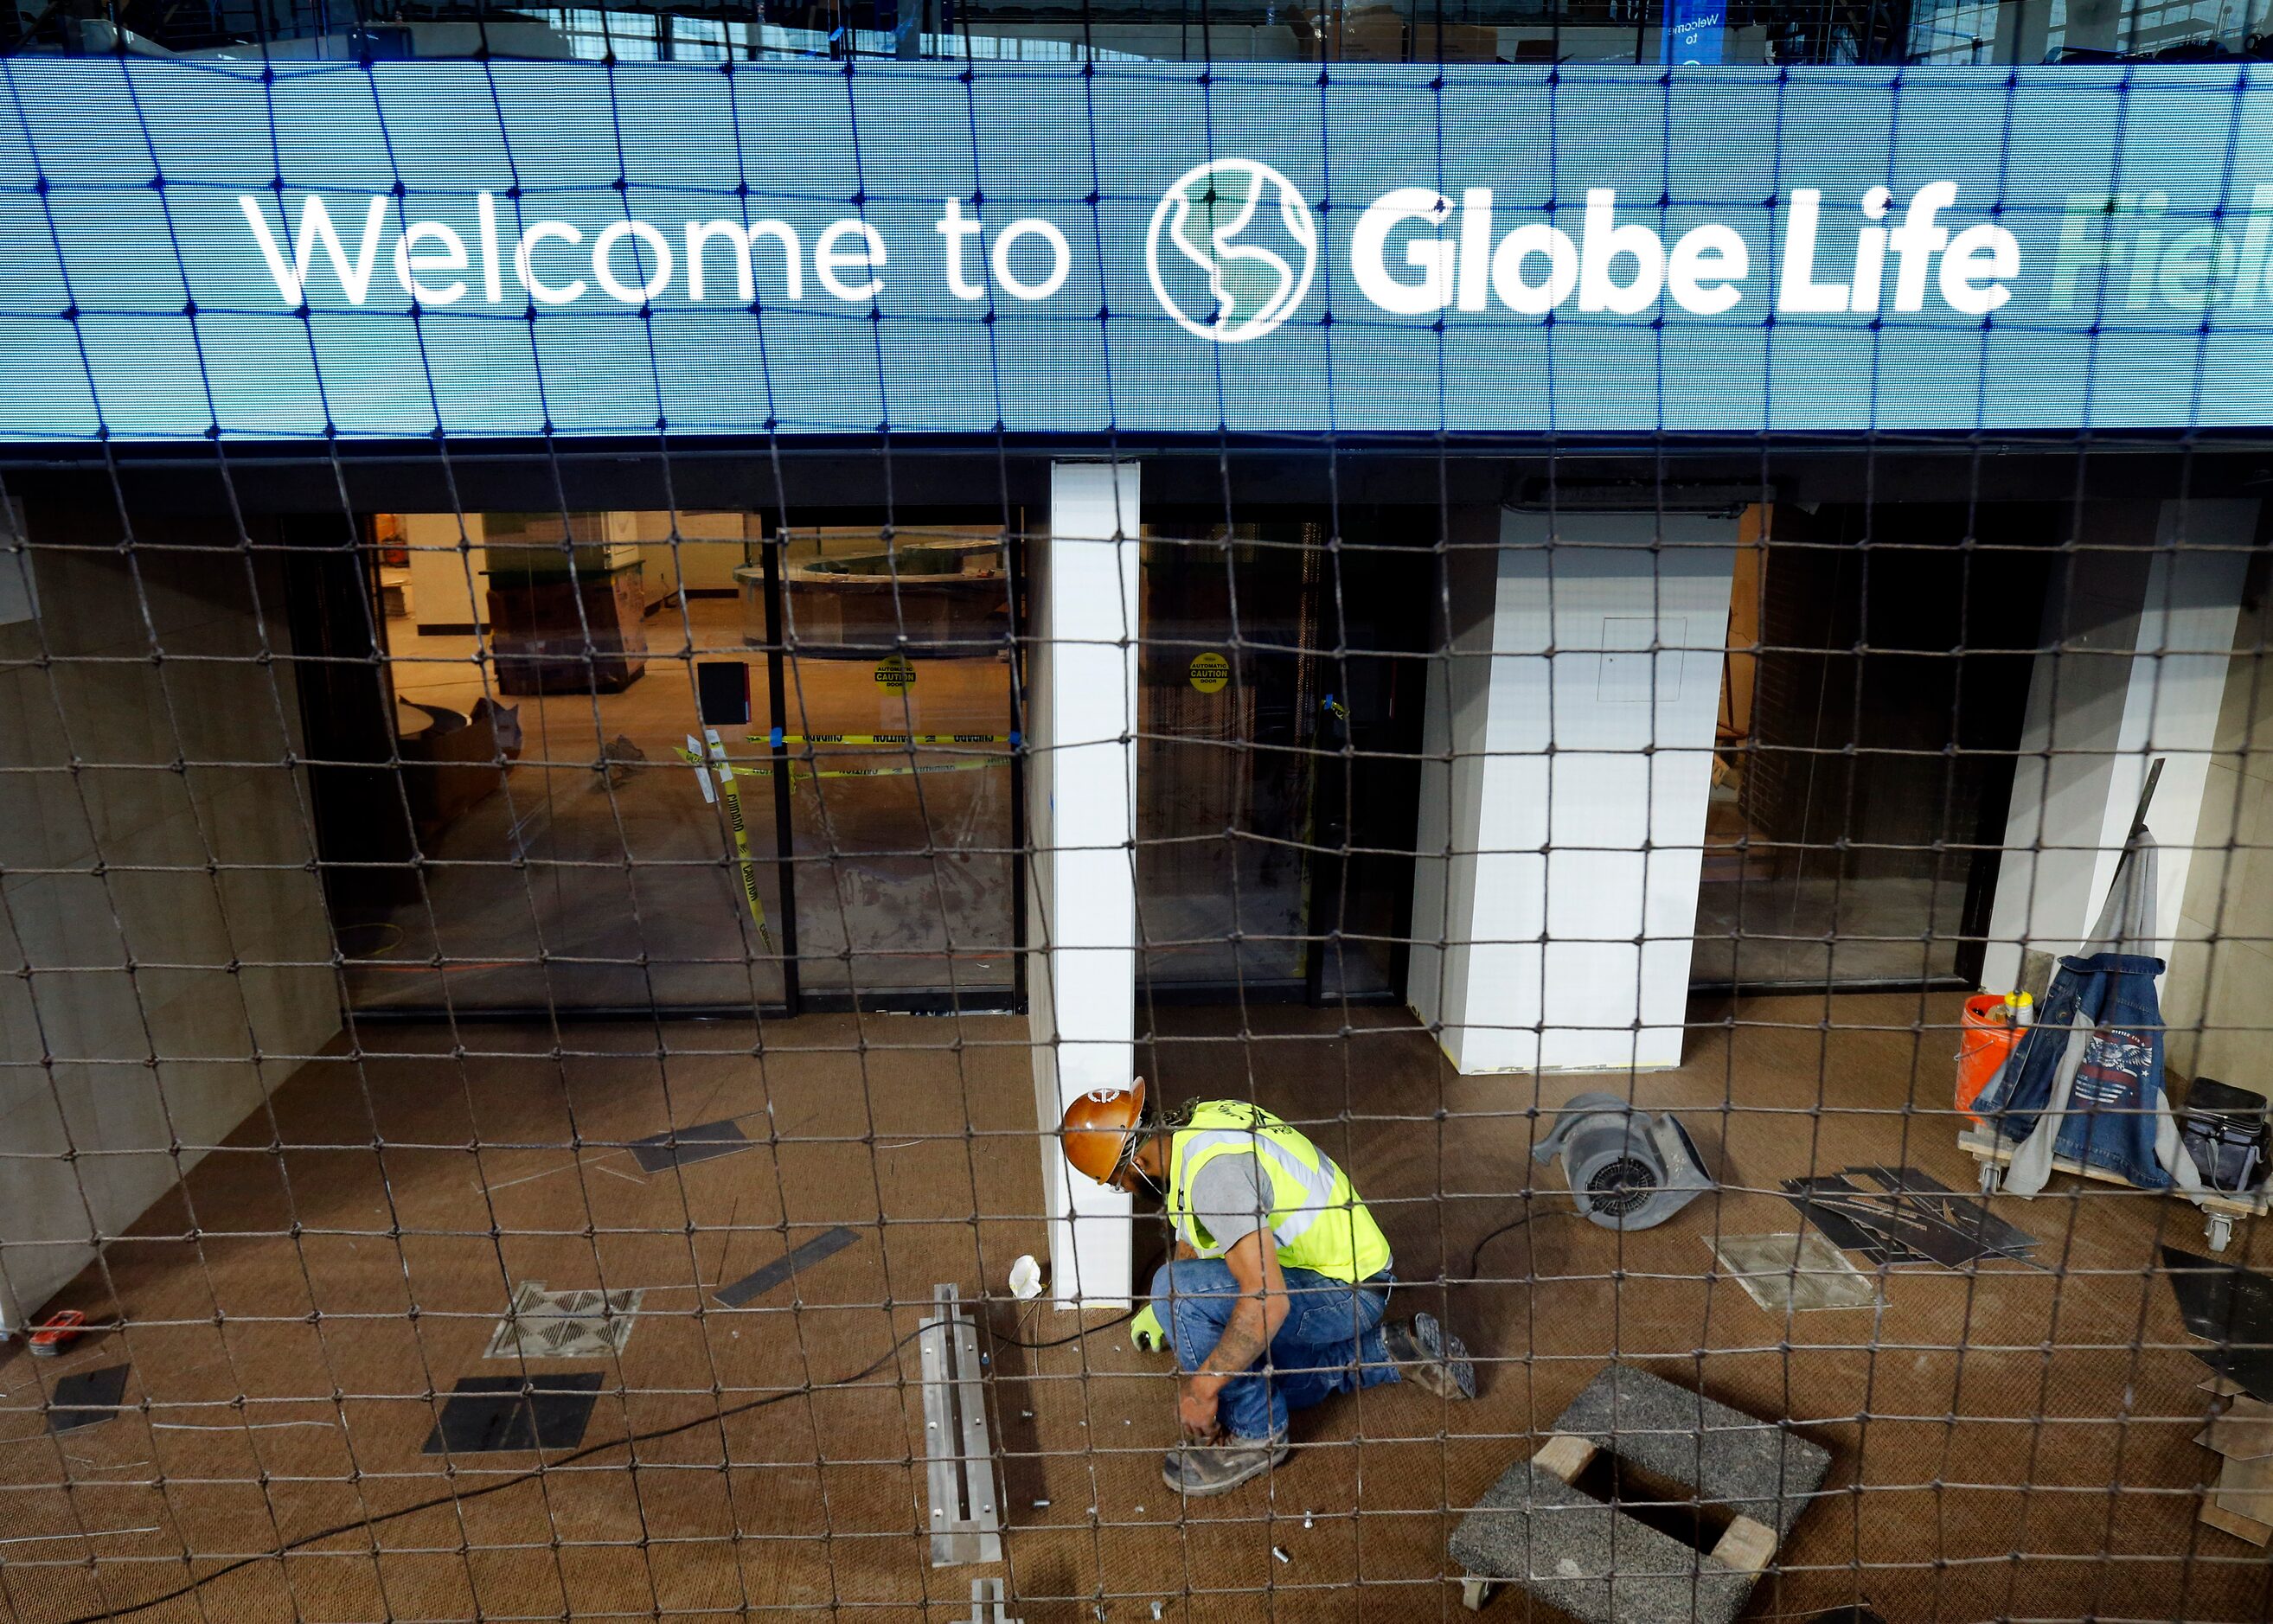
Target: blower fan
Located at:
point(1627, 1169)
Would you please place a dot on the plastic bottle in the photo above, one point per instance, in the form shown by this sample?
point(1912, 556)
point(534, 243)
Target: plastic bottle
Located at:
point(2024, 1008)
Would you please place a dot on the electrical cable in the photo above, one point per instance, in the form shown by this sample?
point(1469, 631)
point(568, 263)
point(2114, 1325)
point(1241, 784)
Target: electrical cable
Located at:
point(1074, 1336)
point(1119, 1319)
point(1476, 1252)
point(566, 1460)
point(336, 1530)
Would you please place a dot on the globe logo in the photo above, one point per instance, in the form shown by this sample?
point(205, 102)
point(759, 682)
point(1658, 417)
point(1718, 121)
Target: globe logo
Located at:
point(1231, 249)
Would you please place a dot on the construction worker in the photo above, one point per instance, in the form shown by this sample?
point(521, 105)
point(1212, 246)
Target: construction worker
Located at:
point(1275, 1295)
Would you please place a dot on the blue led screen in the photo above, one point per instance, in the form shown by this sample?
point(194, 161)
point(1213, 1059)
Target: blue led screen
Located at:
point(506, 249)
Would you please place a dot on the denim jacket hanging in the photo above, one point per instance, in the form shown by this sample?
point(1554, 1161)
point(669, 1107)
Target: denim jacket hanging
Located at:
point(2114, 1106)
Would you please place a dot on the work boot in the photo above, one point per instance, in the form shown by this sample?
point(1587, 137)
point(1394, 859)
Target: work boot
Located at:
point(1203, 1468)
point(1425, 1352)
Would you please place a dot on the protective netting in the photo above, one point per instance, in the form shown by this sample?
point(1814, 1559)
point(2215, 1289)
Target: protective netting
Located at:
point(558, 870)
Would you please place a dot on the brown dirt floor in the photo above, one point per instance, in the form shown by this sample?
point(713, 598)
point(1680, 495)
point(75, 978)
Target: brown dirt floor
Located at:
point(2007, 1443)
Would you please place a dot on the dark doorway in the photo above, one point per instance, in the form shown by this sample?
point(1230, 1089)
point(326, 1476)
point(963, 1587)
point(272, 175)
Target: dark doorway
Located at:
point(1877, 681)
point(1281, 683)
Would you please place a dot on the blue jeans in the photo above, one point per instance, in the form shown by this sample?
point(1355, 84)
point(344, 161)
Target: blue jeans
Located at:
point(1330, 1343)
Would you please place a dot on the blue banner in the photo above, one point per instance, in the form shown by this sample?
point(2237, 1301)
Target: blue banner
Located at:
point(1693, 32)
point(513, 249)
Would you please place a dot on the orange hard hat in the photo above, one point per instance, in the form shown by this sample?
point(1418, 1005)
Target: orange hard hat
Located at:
point(1099, 1130)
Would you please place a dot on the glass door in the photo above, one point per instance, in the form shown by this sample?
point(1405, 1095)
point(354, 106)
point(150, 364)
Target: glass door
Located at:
point(505, 708)
point(1277, 775)
point(542, 845)
point(902, 807)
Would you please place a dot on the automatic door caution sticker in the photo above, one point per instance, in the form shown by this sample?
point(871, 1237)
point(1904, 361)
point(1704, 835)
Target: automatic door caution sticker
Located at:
point(778, 738)
point(896, 673)
point(1210, 671)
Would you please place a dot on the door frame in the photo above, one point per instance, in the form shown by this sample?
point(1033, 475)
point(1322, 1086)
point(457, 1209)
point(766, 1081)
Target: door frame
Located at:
point(319, 717)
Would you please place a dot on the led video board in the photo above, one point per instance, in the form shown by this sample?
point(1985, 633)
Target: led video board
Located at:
point(511, 248)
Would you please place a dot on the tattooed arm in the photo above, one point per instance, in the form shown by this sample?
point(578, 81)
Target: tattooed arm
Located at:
point(1254, 1320)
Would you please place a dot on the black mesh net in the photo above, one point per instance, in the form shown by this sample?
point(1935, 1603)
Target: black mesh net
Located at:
point(544, 962)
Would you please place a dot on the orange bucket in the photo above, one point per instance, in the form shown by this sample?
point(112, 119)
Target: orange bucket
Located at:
point(1989, 1035)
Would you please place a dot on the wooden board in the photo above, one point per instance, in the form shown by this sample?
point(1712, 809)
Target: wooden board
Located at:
point(1745, 1545)
point(2245, 1488)
point(2244, 1433)
point(1986, 1146)
point(1564, 1455)
point(2240, 1527)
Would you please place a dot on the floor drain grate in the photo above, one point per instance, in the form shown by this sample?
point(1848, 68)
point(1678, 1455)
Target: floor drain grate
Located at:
point(959, 1458)
point(564, 1325)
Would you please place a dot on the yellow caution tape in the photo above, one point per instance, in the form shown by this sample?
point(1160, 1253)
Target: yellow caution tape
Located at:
point(745, 859)
point(795, 772)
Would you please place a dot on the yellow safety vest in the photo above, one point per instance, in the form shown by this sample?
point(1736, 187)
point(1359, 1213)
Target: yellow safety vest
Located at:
point(1315, 1215)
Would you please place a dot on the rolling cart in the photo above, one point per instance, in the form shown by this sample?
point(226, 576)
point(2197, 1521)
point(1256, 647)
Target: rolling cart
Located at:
point(2125, 927)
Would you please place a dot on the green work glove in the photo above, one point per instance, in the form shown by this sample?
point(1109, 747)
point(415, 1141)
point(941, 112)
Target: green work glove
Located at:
point(1146, 1332)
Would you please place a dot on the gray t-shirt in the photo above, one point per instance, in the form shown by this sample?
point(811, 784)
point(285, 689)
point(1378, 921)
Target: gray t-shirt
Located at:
point(1229, 1200)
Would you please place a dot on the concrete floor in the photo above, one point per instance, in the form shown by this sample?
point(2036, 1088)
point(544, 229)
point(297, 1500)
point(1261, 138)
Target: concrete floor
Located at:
point(1771, 932)
point(1810, 926)
point(283, 1375)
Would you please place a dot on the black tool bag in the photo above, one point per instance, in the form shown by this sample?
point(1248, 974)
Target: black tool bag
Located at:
point(2223, 1128)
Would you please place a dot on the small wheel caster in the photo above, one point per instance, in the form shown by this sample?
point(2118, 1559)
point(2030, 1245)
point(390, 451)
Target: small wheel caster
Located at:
point(2219, 1227)
point(1988, 1178)
point(1474, 1592)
